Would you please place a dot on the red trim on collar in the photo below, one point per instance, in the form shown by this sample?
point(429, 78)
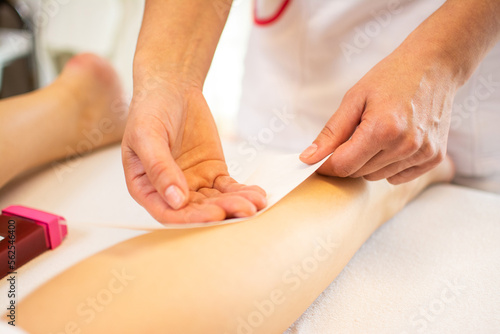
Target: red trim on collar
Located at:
point(272, 18)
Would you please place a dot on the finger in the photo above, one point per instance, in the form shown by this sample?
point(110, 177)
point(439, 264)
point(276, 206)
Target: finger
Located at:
point(424, 154)
point(226, 183)
point(391, 154)
point(198, 196)
point(243, 187)
point(192, 213)
point(337, 130)
point(233, 206)
point(204, 213)
point(381, 160)
point(138, 183)
point(413, 172)
point(352, 155)
point(253, 196)
point(389, 170)
point(237, 204)
point(207, 193)
point(162, 170)
point(146, 195)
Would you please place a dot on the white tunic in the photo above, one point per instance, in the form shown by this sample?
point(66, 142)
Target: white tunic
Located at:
point(305, 54)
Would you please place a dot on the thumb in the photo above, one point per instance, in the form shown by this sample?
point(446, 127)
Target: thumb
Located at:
point(337, 130)
point(164, 173)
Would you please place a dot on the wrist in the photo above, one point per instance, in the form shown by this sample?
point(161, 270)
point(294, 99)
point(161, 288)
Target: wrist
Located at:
point(449, 64)
point(159, 86)
point(438, 63)
point(457, 37)
point(151, 70)
point(156, 84)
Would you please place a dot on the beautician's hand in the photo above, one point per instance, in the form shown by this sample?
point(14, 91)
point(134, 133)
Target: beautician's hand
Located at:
point(393, 124)
point(173, 160)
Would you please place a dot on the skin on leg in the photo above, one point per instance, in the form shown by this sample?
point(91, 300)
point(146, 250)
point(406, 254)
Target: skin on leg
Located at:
point(257, 276)
point(80, 111)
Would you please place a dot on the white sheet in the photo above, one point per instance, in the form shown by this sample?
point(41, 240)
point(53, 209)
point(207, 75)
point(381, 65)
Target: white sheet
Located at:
point(449, 233)
point(433, 268)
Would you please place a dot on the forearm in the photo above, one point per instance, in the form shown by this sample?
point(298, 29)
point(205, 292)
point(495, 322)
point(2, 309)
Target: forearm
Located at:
point(178, 38)
point(456, 37)
point(210, 280)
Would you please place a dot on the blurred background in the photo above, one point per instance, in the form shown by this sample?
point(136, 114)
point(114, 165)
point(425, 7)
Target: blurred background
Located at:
point(37, 37)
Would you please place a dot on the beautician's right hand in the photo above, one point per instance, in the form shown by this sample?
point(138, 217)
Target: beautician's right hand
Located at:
point(173, 159)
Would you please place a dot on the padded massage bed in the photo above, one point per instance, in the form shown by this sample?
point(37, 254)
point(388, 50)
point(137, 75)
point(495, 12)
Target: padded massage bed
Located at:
point(433, 268)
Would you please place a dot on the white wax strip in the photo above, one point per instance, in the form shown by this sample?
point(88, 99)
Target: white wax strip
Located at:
point(278, 176)
point(95, 193)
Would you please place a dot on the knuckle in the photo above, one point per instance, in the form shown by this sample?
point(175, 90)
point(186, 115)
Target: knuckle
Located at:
point(350, 94)
point(137, 134)
point(157, 169)
point(328, 131)
point(390, 130)
point(428, 151)
point(411, 144)
point(133, 191)
point(133, 186)
point(342, 170)
point(439, 156)
point(368, 135)
point(369, 129)
point(431, 166)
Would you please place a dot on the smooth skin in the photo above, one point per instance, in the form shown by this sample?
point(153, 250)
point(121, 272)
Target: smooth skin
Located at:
point(213, 280)
point(393, 124)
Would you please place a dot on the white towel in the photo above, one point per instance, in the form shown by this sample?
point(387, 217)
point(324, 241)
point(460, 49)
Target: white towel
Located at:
point(448, 236)
point(434, 268)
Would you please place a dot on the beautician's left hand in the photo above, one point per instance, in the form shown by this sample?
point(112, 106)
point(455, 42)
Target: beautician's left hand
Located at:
point(393, 124)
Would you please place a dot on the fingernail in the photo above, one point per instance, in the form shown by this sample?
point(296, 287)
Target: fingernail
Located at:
point(309, 151)
point(174, 197)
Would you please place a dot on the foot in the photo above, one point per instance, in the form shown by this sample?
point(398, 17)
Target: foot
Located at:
point(97, 101)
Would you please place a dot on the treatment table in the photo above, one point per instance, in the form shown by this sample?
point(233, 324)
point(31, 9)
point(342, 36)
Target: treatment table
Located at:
point(433, 268)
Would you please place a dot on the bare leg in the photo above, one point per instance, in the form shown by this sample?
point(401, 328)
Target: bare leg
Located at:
point(58, 120)
point(253, 277)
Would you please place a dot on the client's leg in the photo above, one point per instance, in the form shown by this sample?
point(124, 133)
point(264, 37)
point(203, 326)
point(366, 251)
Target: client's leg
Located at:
point(256, 276)
point(72, 115)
